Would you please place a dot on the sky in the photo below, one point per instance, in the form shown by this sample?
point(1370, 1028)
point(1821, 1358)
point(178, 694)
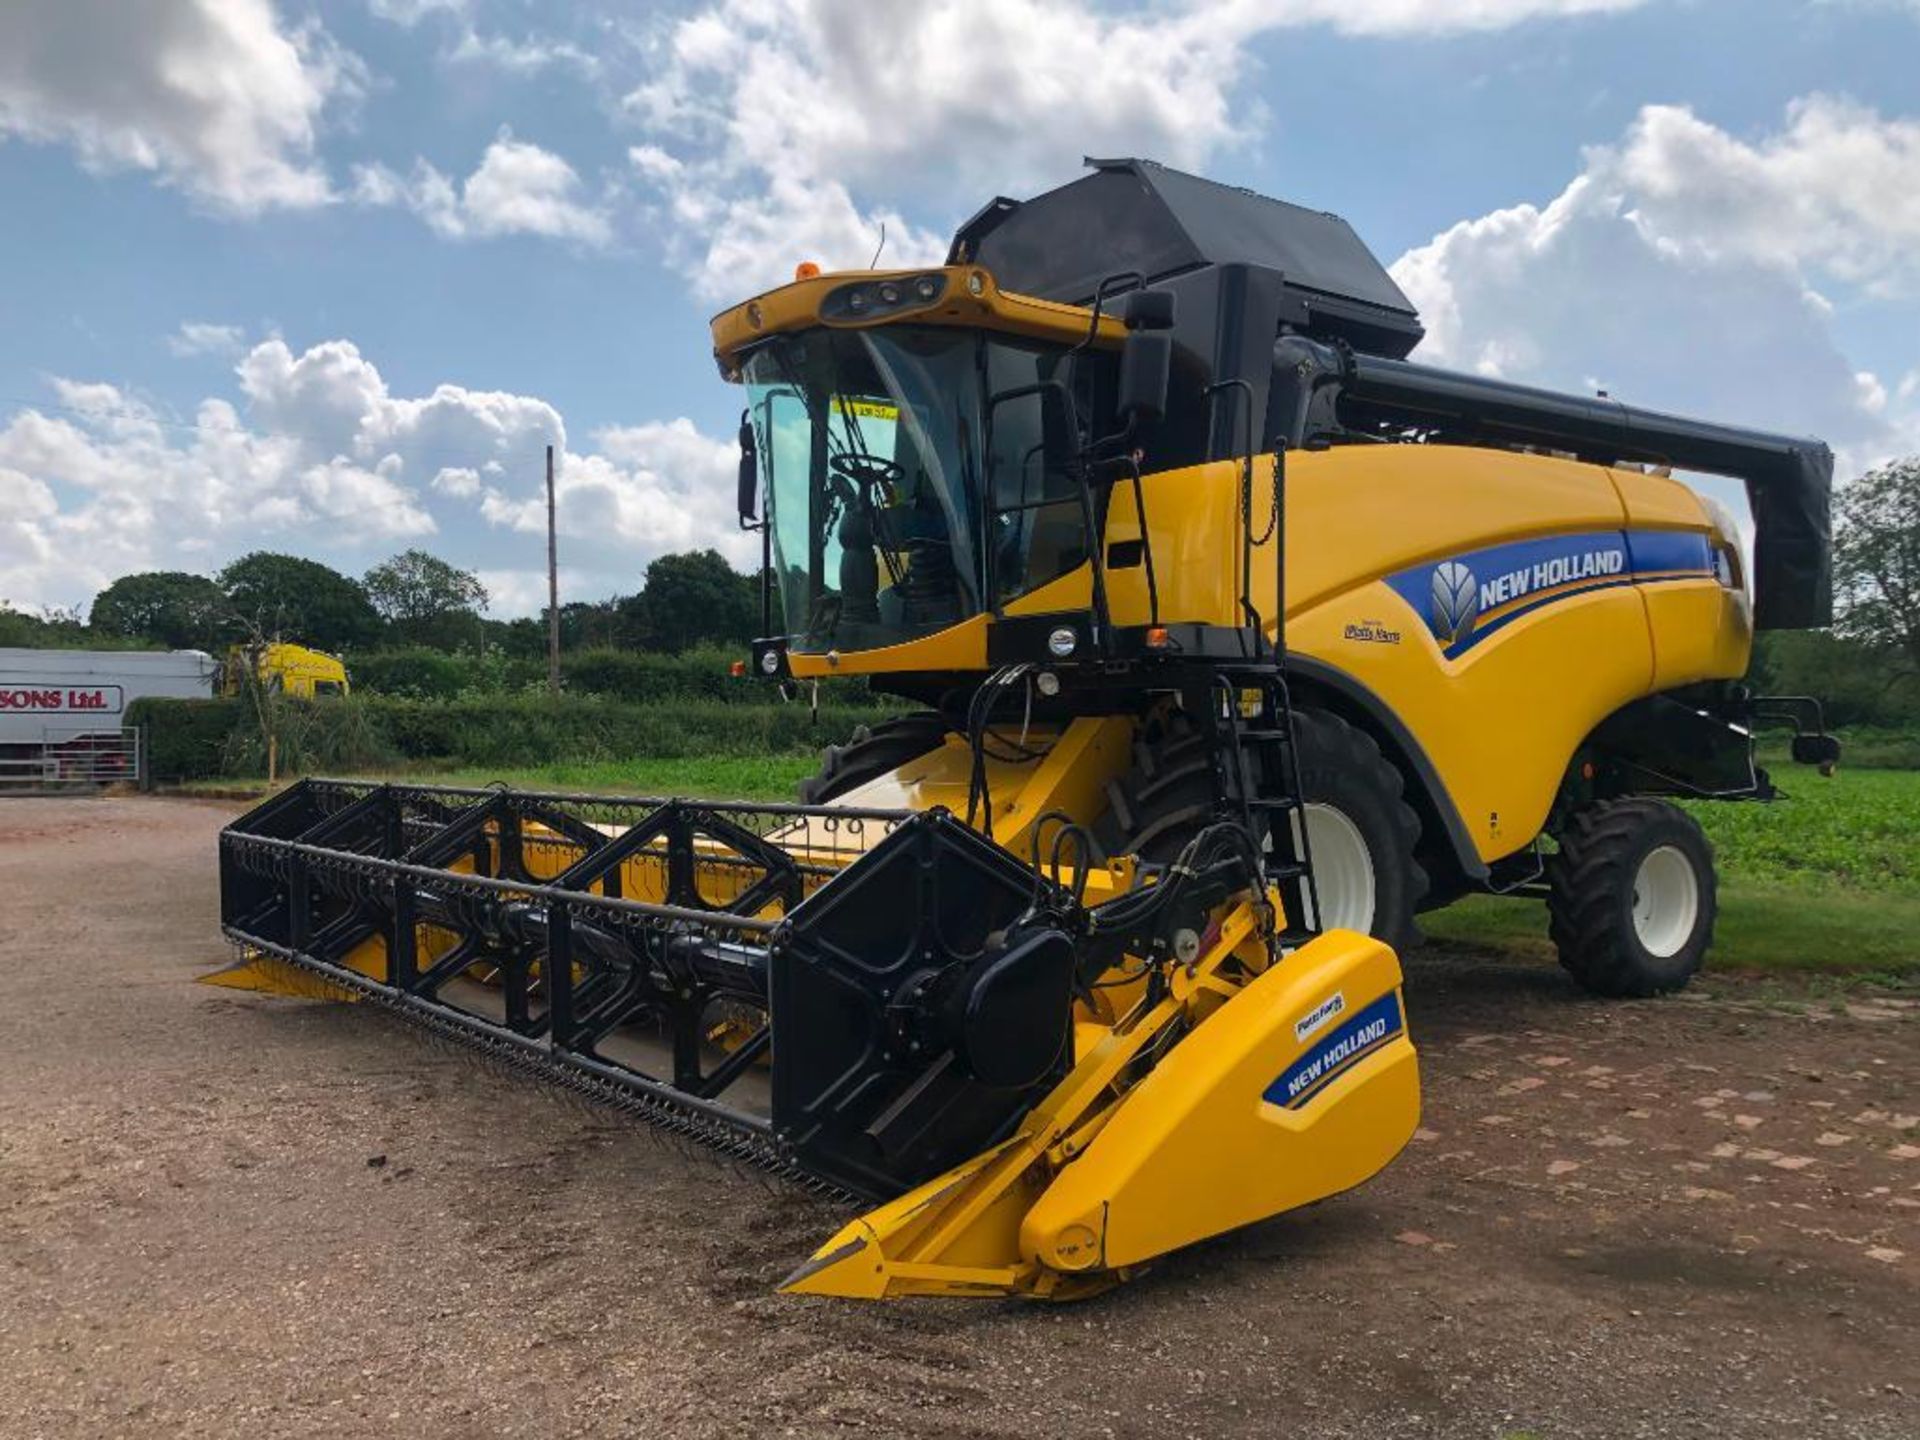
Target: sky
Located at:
point(327, 278)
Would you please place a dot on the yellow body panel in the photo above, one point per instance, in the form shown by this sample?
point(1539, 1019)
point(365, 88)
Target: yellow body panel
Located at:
point(972, 298)
point(1196, 1149)
point(1091, 1186)
point(958, 647)
point(1071, 778)
point(1360, 514)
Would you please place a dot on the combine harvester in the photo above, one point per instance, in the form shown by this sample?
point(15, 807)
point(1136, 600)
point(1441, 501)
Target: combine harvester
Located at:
point(1091, 958)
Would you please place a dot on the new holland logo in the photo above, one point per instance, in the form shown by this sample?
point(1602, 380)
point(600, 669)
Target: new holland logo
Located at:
point(1456, 601)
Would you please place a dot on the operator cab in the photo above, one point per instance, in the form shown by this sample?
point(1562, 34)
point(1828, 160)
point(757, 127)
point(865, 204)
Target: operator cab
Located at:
point(918, 475)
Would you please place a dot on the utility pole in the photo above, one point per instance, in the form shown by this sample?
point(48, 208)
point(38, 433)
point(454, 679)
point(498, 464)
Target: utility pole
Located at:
point(553, 589)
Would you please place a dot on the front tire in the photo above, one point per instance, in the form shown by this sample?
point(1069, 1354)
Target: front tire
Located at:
point(873, 751)
point(1360, 829)
point(1632, 898)
point(1361, 832)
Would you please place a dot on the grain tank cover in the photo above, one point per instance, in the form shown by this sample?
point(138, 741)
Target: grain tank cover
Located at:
point(1135, 215)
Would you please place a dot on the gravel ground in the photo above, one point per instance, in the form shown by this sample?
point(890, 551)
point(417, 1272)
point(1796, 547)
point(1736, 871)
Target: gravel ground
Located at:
point(227, 1214)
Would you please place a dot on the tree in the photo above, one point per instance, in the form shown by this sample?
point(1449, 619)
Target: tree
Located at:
point(586, 624)
point(1876, 562)
point(426, 600)
point(302, 600)
point(168, 607)
point(697, 597)
point(52, 629)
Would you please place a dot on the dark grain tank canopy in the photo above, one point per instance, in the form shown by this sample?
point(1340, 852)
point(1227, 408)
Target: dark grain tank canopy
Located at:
point(1135, 215)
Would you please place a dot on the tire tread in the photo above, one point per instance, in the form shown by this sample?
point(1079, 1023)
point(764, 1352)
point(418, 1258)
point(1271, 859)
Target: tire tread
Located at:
point(1585, 883)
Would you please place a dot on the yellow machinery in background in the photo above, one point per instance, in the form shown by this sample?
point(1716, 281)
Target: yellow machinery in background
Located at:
point(284, 669)
point(1232, 639)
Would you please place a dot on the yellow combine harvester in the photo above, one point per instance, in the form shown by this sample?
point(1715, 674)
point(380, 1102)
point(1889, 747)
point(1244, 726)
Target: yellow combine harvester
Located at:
point(1090, 957)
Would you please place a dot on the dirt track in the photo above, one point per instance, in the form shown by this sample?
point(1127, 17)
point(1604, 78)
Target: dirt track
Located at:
point(222, 1214)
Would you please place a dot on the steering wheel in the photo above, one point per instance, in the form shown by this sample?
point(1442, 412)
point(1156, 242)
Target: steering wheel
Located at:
point(868, 470)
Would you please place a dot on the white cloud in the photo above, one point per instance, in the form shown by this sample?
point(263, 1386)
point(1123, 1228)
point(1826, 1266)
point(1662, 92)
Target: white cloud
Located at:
point(199, 337)
point(524, 592)
point(132, 490)
point(525, 56)
point(412, 12)
point(467, 44)
point(215, 96)
point(460, 481)
point(517, 189)
point(1405, 17)
point(1838, 190)
point(646, 490)
point(1680, 269)
point(771, 121)
point(336, 402)
point(326, 460)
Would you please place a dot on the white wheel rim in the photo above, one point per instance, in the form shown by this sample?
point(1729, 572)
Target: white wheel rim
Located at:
point(1342, 870)
point(1666, 901)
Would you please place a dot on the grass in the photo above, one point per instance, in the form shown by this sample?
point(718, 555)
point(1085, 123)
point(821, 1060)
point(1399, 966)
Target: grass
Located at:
point(1827, 880)
point(1859, 830)
point(1824, 881)
point(730, 777)
point(1864, 747)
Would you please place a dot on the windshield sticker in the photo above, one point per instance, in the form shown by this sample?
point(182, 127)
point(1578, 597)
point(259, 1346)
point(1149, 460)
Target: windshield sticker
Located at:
point(866, 409)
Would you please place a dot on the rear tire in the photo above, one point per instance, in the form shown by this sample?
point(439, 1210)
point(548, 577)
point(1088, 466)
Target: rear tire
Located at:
point(1368, 879)
point(872, 751)
point(1632, 898)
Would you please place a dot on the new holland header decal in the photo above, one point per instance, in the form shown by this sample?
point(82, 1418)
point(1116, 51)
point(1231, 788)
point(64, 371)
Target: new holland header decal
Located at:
point(1465, 598)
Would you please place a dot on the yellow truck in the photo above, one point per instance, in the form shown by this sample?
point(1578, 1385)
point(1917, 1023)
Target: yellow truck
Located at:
point(286, 669)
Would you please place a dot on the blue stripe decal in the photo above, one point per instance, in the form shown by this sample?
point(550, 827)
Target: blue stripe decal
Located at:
point(1656, 550)
point(1466, 598)
point(1340, 1050)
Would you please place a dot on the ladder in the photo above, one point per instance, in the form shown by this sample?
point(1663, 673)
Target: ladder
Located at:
point(1256, 757)
point(1256, 767)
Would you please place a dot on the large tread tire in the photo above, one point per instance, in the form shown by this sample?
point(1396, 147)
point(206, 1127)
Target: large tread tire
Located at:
point(1156, 808)
point(1592, 896)
point(872, 751)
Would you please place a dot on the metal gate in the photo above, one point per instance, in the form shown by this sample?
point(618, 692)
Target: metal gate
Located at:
point(71, 758)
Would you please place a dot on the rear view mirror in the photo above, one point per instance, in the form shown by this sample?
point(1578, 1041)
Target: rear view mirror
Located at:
point(749, 481)
point(1820, 750)
point(1146, 357)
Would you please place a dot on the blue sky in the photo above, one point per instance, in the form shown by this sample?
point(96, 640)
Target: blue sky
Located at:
point(326, 278)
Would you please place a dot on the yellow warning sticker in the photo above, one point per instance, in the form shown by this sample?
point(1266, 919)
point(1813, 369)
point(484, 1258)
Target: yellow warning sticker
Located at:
point(866, 409)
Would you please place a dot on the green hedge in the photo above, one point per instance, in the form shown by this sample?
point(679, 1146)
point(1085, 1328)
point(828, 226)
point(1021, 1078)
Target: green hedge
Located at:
point(422, 674)
point(201, 739)
point(643, 677)
point(186, 739)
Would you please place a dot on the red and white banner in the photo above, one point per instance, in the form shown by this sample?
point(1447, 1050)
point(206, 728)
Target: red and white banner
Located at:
point(60, 699)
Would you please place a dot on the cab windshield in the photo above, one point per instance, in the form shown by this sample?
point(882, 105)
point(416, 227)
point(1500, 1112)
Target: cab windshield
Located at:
point(903, 496)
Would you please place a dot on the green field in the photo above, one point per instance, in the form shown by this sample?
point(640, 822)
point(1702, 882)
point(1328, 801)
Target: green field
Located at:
point(1825, 880)
point(725, 777)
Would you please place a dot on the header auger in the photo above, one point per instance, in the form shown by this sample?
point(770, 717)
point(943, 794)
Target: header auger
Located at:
point(1237, 638)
